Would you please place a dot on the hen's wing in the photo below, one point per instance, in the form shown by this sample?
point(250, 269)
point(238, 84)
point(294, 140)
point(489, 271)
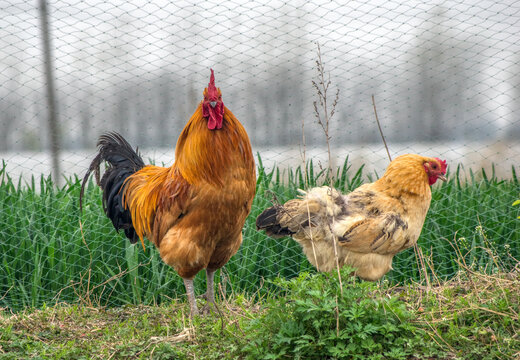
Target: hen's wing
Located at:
point(372, 222)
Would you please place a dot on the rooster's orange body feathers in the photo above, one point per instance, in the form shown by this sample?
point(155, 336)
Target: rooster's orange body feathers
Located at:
point(194, 211)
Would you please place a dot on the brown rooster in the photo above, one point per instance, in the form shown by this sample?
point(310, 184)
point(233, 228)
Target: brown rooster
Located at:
point(194, 210)
point(366, 227)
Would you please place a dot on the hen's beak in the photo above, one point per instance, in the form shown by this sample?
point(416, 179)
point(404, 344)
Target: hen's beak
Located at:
point(443, 178)
point(213, 103)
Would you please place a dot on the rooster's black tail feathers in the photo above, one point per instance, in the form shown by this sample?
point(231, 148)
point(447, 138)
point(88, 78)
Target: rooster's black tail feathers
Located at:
point(122, 162)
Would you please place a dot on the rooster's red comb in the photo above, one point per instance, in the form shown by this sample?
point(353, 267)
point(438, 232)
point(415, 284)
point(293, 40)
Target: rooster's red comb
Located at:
point(443, 165)
point(212, 89)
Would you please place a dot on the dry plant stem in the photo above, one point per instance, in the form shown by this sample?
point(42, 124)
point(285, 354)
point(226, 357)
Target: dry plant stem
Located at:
point(312, 239)
point(5, 294)
point(303, 152)
point(380, 130)
point(429, 262)
point(89, 265)
point(438, 336)
point(424, 271)
point(322, 86)
point(337, 316)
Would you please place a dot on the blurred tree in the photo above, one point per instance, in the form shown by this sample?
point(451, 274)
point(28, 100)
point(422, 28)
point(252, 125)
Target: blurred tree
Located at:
point(441, 81)
point(11, 107)
point(51, 96)
point(446, 96)
point(513, 128)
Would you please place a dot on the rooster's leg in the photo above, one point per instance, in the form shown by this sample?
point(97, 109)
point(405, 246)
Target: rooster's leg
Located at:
point(190, 292)
point(210, 291)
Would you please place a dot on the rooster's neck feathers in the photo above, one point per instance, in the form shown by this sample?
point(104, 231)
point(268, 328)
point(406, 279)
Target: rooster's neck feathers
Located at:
point(204, 155)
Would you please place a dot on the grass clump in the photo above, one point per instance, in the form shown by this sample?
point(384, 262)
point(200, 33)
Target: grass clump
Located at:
point(130, 332)
point(473, 315)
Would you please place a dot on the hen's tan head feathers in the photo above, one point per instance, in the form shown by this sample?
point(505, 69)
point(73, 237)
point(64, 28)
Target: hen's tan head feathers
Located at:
point(414, 173)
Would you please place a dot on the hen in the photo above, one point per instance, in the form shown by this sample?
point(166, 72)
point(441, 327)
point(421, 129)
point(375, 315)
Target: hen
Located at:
point(369, 225)
point(194, 210)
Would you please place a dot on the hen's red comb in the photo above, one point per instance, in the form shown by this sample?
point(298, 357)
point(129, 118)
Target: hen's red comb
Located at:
point(443, 165)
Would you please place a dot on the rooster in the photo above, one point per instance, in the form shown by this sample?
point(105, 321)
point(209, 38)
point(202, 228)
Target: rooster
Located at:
point(194, 210)
point(366, 227)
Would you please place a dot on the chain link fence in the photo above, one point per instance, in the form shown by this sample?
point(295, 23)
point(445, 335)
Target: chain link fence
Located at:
point(444, 75)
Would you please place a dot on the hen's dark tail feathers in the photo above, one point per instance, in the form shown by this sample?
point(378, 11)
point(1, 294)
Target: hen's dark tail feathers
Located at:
point(268, 221)
point(122, 162)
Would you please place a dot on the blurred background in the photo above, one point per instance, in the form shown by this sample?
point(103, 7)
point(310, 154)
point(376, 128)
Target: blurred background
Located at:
point(445, 76)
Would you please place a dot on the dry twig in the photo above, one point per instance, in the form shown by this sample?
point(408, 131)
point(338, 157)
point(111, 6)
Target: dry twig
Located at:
point(324, 114)
point(380, 129)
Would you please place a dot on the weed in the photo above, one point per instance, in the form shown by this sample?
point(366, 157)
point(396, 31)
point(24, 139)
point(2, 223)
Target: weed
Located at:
point(313, 321)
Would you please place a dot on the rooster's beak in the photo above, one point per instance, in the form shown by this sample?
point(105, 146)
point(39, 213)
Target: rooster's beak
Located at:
point(443, 178)
point(213, 103)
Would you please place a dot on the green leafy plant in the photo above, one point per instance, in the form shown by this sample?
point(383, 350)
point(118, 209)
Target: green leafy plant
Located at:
point(313, 321)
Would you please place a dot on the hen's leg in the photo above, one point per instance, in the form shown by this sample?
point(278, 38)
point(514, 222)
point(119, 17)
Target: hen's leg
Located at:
point(190, 292)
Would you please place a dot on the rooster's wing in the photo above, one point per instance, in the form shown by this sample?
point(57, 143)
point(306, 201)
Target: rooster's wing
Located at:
point(157, 198)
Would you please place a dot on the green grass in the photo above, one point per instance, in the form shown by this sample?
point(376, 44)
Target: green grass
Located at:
point(51, 253)
point(473, 316)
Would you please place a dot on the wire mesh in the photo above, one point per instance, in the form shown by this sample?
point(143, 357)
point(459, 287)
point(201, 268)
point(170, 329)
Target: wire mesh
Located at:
point(444, 76)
